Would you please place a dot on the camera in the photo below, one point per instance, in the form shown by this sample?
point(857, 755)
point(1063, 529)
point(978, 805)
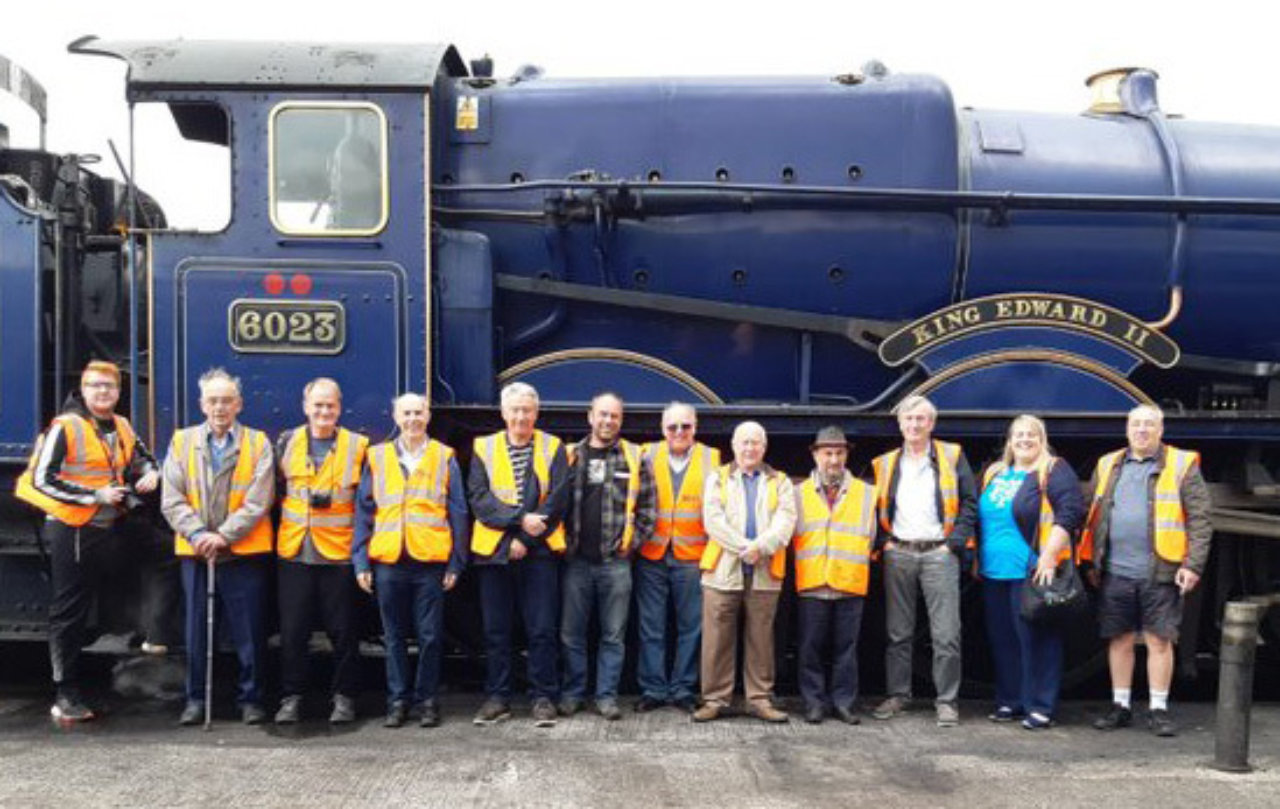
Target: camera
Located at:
point(321, 499)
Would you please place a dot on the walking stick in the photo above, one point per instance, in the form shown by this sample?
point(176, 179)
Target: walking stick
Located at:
point(210, 588)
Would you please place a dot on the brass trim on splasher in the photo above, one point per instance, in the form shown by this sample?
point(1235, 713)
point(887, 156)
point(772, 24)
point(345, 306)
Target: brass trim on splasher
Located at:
point(1105, 373)
point(614, 355)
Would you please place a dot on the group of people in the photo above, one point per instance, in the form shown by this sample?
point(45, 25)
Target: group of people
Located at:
point(558, 536)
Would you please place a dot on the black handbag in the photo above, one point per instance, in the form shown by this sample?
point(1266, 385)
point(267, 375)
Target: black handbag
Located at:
point(1057, 602)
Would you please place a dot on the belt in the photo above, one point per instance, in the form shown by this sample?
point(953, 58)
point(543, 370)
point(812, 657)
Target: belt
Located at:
point(919, 546)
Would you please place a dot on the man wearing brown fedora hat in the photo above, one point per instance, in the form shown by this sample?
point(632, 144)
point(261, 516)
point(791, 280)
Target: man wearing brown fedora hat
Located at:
point(835, 530)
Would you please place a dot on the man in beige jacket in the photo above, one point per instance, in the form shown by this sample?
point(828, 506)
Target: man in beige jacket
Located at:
point(749, 511)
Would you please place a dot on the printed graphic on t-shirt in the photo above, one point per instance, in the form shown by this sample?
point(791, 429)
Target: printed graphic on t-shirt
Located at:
point(595, 471)
point(1004, 487)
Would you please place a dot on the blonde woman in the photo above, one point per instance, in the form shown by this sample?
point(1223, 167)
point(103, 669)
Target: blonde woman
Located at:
point(1028, 511)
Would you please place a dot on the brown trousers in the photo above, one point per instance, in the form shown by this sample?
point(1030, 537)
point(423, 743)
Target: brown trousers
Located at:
point(721, 611)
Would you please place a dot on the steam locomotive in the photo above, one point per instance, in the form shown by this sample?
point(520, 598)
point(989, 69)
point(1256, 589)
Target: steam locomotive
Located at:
point(798, 250)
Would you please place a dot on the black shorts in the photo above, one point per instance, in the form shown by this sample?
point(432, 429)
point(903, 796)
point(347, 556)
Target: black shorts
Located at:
point(1139, 605)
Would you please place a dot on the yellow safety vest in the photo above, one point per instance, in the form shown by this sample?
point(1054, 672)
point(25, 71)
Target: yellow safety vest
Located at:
point(711, 556)
point(491, 450)
point(1045, 525)
point(948, 456)
point(833, 547)
point(331, 528)
point(679, 518)
point(87, 463)
point(1168, 517)
point(412, 514)
point(253, 444)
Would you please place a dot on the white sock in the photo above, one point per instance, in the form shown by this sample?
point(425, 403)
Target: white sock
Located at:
point(1123, 696)
point(1159, 700)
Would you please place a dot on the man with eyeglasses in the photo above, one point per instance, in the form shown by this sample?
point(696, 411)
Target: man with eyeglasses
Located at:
point(667, 576)
point(85, 475)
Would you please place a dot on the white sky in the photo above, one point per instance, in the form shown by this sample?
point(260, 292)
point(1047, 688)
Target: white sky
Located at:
point(1215, 58)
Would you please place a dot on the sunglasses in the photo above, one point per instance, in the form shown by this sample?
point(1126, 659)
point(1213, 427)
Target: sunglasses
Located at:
point(678, 428)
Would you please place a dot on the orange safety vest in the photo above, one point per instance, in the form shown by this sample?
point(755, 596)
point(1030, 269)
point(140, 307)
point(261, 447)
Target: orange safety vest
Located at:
point(948, 456)
point(491, 450)
point(331, 528)
point(711, 556)
point(833, 547)
point(679, 518)
point(253, 443)
point(412, 514)
point(1045, 525)
point(87, 463)
point(1168, 517)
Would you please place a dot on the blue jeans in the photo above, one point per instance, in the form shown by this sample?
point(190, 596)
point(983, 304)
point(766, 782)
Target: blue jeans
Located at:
point(535, 583)
point(605, 589)
point(657, 584)
point(1028, 658)
point(240, 596)
point(838, 621)
point(411, 601)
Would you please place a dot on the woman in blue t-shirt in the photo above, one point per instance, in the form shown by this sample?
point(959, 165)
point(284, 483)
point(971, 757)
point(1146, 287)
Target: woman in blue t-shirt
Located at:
point(1027, 479)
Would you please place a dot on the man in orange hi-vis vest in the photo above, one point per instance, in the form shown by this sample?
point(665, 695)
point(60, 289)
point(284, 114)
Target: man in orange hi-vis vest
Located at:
point(1146, 541)
point(219, 482)
point(83, 476)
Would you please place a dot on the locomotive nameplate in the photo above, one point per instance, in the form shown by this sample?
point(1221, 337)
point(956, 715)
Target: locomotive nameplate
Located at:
point(257, 326)
point(1030, 309)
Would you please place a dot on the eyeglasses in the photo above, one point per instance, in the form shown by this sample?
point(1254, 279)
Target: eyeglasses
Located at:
point(678, 428)
point(101, 385)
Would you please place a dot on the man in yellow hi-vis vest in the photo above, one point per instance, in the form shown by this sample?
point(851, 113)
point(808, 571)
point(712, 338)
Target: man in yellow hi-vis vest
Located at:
point(518, 490)
point(1146, 540)
point(218, 485)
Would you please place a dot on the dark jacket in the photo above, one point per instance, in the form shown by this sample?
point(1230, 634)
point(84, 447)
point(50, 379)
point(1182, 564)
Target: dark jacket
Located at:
point(494, 513)
point(966, 490)
point(53, 451)
point(1064, 498)
point(613, 511)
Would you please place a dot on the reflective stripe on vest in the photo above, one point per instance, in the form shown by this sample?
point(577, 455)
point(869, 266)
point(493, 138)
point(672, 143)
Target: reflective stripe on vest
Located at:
point(679, 518)
point(1045, 520)
point(711, 556)
point(252, 445)
point(412, 514)
point(87, 463)
point(332, 528)
point(833, 548)
point(1168, 517)
point(491, 450)
point(948, 456)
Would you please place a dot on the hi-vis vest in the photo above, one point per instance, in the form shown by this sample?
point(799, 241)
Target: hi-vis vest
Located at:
point(413, 514)
point(331, 528)
point(1044, 525)
point(253, 444)
point(833, 548)
point(491, 450)
point(1168, 518)
point(679, 522)
point(778, 562)
point(87, 463)
point(631, 453)
point(948, 456)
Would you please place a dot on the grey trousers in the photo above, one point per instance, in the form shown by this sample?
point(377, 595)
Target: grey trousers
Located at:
point(936, 573)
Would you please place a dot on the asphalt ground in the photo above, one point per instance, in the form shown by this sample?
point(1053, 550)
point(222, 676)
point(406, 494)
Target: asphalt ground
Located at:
point(135, 755)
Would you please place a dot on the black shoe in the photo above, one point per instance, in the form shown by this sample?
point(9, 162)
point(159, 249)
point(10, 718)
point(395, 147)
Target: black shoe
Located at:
point(647, 704)
point(344, 710)
point(429, 715)
point(1161, 724)
point(814, 714)
point(544, 713)
point(290, 710)
point(687, 704)
point(569, 706)
point(396, 714)
point(491, 712)
point(251, 713)
point(608, 708)
point(1118, 717)
point(848, 715)
point(67, 709)
point(192, 714)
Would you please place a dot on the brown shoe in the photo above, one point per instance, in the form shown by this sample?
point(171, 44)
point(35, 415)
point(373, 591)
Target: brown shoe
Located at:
point(707, 713)
point(768, 713)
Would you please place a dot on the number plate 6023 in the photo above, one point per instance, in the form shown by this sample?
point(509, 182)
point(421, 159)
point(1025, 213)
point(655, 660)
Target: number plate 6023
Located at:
point(287, 327)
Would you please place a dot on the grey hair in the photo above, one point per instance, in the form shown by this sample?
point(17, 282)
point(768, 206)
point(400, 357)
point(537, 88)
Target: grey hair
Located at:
point(915, 401)
point(518, 390)
point(218, 375)
point(322, 382)
point(1150, 410)
point(404, 397)
point(750, 427)
point(674, 406)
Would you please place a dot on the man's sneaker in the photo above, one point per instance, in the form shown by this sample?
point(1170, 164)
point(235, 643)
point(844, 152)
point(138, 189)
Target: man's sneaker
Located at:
point(251, 713)
point(948, 715)
point(608, 708)
point(1037, 721)
point(344, 710)
point(158, 649)
point(569, 706)
point(429, 714)
point(290, 710)
point(70, 709)
point(891, 707)
point(1118, 717)
point(544, 713)
point(1161, 723)
point(1005, 714)
point(396, 714)
point(492, 712)
point(192, 714)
